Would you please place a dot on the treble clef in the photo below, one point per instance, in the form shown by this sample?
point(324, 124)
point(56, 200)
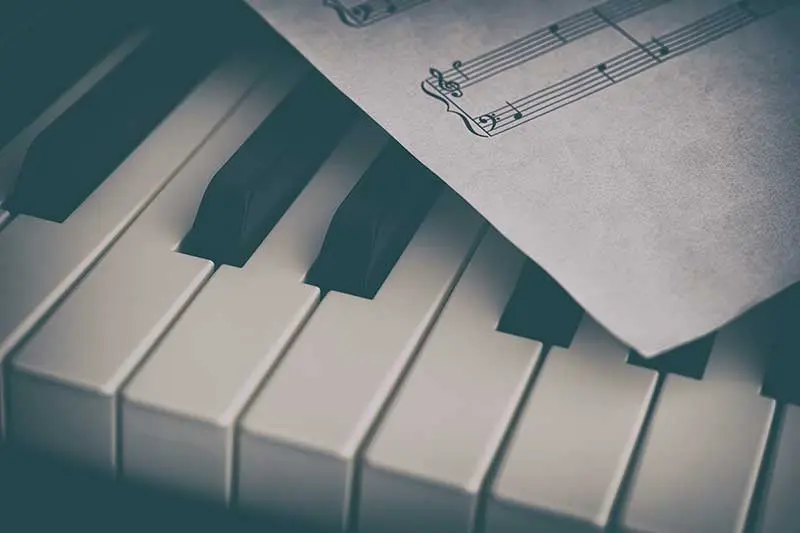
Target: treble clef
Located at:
point(448, 86)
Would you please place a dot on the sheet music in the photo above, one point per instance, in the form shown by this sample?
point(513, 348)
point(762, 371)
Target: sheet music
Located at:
point(646, 153)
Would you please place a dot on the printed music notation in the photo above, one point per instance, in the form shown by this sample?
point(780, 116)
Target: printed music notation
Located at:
point(448, 86)
point(529, 47)
point(369, 12)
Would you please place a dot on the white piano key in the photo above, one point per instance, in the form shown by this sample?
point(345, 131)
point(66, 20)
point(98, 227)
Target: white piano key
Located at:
point(40, 260)
point(13, 153)
point(298, 448)
point(573, 440)
point(426, 465)
point(780, 512)
point(180, 410)
point(64, 381)
point(702, 452)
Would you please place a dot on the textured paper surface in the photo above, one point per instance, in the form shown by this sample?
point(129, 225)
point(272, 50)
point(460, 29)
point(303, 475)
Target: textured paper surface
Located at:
point(665, 200)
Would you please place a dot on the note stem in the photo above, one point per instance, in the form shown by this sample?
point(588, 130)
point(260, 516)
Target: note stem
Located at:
point(518, 113)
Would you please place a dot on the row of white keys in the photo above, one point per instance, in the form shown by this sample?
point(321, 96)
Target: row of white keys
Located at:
point(300, 439)
point(65, 380)
point(179, 412)
point(40, 260)
point(700, 458)
point(425, 468)
point(780, 512)
point(573, 440)
point(13, 153)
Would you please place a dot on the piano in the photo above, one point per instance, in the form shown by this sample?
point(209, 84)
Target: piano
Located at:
point(223, 288)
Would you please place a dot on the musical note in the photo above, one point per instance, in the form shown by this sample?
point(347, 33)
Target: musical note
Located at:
point(446, 85)
point(625, 34)
point(489, 118)
point(662, 48)
point(601, 68)
point(642, 56)
point(518, 114)
point(554, 30)
point(457, 67)
point(544, 40)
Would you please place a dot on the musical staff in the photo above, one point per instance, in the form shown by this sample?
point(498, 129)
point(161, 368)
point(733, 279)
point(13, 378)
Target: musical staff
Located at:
point(642, 56)
point(545, 40)
point(369, 12)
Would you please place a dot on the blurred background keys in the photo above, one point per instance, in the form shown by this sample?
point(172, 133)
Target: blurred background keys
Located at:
point(374, 224)
point(70, 158)
point(540, 309)
point(17, 15)
point(251, 192)
point(45, 46)
point(781, 376)
point(782, 370)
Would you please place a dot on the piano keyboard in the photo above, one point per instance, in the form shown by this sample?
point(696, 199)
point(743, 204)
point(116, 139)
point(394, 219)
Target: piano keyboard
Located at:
point(219, 278)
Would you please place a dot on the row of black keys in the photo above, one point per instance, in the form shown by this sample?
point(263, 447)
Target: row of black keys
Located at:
point(82, 147)
point(247, 197)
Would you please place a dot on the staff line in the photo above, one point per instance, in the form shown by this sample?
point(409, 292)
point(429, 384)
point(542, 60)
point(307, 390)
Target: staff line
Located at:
point(627, 70)
point(670, 39)
point(581, 24)
point(621, 72)
point(522, 56)
point(631, 7)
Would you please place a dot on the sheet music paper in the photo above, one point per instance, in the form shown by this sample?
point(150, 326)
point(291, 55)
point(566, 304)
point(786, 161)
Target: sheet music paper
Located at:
point(646, 153)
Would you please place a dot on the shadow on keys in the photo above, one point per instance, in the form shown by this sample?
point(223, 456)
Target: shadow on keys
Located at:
point(40, 494)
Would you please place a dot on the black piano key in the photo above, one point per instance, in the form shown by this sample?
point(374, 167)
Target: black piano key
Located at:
point(540, 309)
point(72, 157)
point(247, 197)
point(689, 360)
point(18, 15)
point(51, 48)
point(374, 224)
point(782, 374)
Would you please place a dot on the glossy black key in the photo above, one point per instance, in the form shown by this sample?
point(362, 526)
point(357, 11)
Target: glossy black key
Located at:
point(782, 375)
point(540, 309)
point(18, 15)
point(72, 157)
point(47, 54)
point(374, 224)
point(689, 360)
point(247, 197)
